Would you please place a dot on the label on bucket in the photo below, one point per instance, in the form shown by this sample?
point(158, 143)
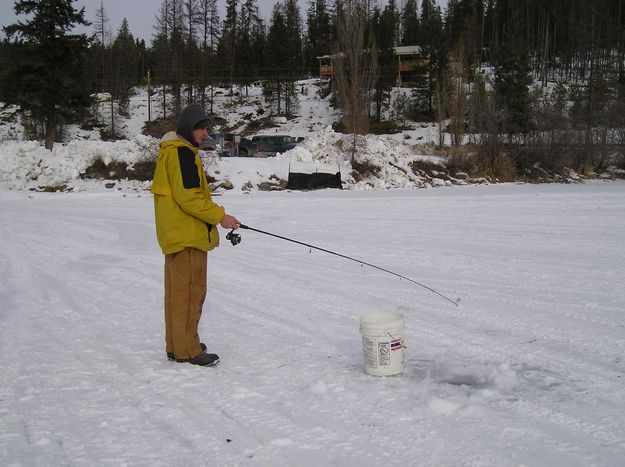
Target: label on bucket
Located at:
point(384, 353)
point(378, 353)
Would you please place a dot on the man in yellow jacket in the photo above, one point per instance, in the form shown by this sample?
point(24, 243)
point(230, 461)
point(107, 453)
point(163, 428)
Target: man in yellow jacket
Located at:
point(186, 228)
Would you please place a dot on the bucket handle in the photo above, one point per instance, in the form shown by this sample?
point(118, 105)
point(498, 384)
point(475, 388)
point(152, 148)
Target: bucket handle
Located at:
point(388, 331)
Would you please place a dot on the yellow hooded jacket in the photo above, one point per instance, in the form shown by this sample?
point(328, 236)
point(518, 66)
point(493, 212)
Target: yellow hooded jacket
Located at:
point(185, 213)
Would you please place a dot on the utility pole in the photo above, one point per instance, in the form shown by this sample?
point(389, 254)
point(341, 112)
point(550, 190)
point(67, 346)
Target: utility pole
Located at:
point(149, 98)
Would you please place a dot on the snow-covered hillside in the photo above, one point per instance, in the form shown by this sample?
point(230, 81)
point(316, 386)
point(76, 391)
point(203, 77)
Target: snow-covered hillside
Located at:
point(527, 371)
point(403, 160)
point(27, 165)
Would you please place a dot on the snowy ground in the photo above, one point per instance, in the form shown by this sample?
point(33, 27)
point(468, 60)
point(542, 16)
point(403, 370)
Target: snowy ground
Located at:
point(528, 370)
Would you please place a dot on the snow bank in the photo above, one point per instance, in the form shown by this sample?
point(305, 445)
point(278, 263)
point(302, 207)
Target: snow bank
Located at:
point(27, 164)
point(389, 158)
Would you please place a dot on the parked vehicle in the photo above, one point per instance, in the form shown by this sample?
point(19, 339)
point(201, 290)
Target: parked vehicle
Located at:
point(269, 145)
point(229, 147)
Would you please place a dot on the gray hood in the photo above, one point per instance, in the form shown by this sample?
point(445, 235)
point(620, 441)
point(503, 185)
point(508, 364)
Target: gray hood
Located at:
point(190, 117)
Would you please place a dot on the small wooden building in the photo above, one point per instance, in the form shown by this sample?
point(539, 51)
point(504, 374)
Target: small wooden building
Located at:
point(411, 66)
point(326, 66)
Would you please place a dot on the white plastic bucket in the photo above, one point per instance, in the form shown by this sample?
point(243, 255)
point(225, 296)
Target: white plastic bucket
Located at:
point(383, 343)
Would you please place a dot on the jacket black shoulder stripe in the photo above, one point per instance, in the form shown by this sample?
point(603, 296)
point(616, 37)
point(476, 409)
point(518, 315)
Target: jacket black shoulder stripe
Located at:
point(188, 168)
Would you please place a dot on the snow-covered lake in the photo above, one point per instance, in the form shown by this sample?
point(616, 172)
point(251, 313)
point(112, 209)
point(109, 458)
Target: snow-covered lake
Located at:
point(528, 370)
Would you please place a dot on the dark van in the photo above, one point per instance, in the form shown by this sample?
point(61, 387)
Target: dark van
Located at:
point(269, 145)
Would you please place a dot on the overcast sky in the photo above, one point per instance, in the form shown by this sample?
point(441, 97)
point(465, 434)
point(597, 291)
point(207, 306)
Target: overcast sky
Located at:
point(140, 14)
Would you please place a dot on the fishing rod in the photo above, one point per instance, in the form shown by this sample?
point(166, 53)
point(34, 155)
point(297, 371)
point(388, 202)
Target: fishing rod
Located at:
point(235, 239)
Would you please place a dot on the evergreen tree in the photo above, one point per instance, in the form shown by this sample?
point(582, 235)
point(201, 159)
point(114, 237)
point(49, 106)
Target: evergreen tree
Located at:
point(157, 55)
point(335, 13)
point(46, 77)
point(317, 42)
point(142, 60)
point(489, 28)
point(384, 26)
point(294, 62)
point(277, 49)
point(512, 80)
point(394, 18)
point(284, 55)
point(246, 57)
point(410, 23)
point(228, 41)
point(259, 45)
point(465, 21)
point(176, 65)
point(293, 21)
point(434, 45)
point(124, 53)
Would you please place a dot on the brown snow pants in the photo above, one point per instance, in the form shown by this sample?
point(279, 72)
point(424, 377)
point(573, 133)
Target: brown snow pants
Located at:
point(185, 291)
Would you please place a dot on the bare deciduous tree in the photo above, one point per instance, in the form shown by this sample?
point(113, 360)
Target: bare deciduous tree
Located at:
point(458, 97)
point(356, 68)
point(441, 93)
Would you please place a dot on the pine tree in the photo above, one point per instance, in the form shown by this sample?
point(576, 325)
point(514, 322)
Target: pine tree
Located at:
point(248, 21)
point(293, 20)
point(512, 79)
point(124, 53)
point(317, 42)
point(176, 65)
point(277, 49)
point(228, 41)
point(259, 45)
point(335, 13)
point(46, 78)
point(434, 45)
point(294, 59)
point(394, 20)
point(384, 25)
point(465, 21)
point(410, 23)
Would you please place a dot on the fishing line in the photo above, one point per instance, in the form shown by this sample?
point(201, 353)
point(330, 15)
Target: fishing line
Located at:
point(235, 239)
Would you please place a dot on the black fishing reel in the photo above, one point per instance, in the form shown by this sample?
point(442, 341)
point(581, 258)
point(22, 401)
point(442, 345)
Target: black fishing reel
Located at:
point(234, 238)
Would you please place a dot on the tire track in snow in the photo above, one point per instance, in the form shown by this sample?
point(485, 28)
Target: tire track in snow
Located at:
point(54, 306)
point(528, 403)
point(87, 374)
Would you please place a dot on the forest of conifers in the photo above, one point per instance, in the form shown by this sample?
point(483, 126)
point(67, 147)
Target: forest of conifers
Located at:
point(534, 75)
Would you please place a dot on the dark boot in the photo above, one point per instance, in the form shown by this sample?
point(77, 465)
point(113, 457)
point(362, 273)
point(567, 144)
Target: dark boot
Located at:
point(205, 359)
point(171, 356)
